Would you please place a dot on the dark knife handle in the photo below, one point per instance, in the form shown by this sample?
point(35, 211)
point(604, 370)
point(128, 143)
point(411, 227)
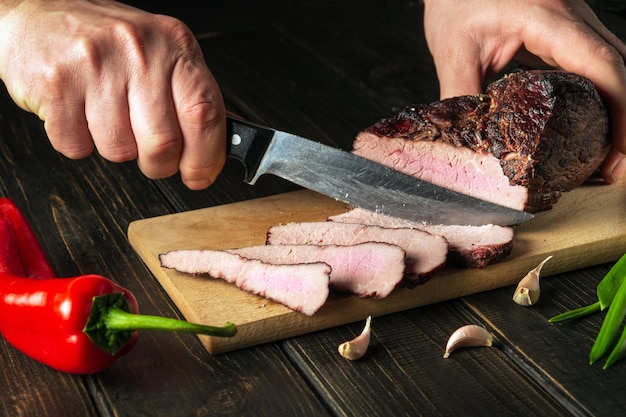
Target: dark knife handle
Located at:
point(247, 142)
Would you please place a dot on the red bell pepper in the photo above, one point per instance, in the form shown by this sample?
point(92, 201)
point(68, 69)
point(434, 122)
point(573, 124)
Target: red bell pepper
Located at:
point(78, 325)
point(23, 240)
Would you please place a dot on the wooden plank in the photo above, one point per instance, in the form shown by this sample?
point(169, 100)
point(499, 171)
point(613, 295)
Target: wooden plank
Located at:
point(557, 354)
point(31, 389)
point(586, 227)
point(404, 372)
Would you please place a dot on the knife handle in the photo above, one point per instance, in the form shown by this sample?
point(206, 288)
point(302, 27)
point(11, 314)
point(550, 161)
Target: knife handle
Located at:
point(247, 142)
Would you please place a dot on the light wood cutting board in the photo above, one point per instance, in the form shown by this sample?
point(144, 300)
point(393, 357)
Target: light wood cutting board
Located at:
point(586, 227)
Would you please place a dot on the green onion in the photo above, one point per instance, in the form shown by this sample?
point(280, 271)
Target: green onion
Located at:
point(576, 314)
point(608, 287)
point(611, 292)
point(618, 350)
point(610, 325)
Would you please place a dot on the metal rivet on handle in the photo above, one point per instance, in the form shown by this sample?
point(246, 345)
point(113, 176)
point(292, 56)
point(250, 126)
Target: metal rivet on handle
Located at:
point(235, 139)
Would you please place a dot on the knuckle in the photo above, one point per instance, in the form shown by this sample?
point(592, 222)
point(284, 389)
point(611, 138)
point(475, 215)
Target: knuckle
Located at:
point(72, 148)
point(86, 53)
point(130, 37)
point(54, 79)
point(606, 52)
point(180, 34)
point(161, 147)
point(73, 152)
point(115, 145)
point(118, 153)
point(57, 75)
point(203, 112)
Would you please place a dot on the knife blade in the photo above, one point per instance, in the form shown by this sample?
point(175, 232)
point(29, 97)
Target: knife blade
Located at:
point(355, 180)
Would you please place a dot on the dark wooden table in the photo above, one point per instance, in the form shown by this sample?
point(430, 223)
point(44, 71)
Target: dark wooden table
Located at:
point(325, 70)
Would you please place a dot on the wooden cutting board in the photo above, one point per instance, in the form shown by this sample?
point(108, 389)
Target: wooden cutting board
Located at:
point(586, 227)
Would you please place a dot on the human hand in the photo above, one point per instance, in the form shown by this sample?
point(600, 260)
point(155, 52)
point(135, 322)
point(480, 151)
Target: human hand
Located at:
point(471, 40)
point(133, 84)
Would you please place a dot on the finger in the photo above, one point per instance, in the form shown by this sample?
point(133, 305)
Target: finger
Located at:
point(611, 84)
point(66, 125)
point(107, 113)
point(155, 126)
point(614, 166)
point(468, 48)
point(456, 55)
point(594, 22)
point(458, 80)
point(201, 115)
point(459, 71)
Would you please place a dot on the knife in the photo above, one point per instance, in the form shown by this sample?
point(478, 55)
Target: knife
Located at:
point(355, 180)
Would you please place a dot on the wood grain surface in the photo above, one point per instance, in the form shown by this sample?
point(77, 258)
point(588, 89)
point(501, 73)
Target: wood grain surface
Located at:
point(586, 227)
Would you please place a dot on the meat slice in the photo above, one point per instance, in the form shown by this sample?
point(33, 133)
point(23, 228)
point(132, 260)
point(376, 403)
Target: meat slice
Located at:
point(425, 253)
point(470, 246)
point(301, 287)
point(531, 136)
point(370, 269)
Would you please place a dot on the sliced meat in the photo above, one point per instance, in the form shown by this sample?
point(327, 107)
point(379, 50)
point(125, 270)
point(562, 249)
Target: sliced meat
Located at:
point(301, 287)
point(470, 246)
point(370, 269)
point(533, 135)
point(475, 246)
point(425, 253)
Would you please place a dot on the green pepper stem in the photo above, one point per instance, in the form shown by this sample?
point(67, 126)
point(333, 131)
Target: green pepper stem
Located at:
point(120, 320)
point(111, 324)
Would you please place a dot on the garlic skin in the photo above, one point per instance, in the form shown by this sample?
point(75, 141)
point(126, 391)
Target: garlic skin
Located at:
point(356, 348)
point(528, 289)
point(470, 335)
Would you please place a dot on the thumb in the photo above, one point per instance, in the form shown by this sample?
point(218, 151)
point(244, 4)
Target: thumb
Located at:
point(459, 74)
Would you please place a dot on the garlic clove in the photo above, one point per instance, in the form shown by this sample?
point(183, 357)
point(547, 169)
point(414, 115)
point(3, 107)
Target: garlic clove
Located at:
point(356, 348)
point(526, 297)
point(528, 289)
point(469, 335)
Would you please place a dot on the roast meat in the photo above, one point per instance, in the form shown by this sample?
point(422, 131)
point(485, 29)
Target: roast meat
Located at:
point(531, 136)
